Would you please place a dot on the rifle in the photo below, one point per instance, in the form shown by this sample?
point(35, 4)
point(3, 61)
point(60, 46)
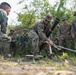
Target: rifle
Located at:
point(56, 21)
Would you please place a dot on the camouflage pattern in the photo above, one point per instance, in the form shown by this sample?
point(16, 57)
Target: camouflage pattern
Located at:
point(38, 35)
point(3, 24)
point(1, 43)
point(23, 41)
point(55, 34)
point(64, 18)
point(75, 13)
point(4, 47)
point(13, 43)
point(48, 17)
point(3, 27)
point(65, 35)
point(3, 21)
point(73, 31)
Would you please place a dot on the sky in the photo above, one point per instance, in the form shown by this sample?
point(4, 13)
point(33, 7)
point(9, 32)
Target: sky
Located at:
point(16, 8)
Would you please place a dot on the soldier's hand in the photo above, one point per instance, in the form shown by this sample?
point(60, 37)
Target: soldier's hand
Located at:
point(46, 42)
point(50, 42)
point(68, 32)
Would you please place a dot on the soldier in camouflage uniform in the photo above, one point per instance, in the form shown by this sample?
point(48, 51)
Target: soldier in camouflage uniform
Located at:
point(13, 36)
point(4, 12)
point(38, 33)
point(55, 35)
point(65, 33)
point(11, 32)
point(23, 41)
point(73, 30)
point(5, 8)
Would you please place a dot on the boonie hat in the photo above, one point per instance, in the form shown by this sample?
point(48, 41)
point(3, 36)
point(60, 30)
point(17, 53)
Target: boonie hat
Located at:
point(48, 17)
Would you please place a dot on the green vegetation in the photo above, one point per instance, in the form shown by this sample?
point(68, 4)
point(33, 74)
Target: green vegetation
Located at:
point(36, 9)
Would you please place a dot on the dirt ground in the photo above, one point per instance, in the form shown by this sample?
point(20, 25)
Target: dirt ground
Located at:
point(22, 66)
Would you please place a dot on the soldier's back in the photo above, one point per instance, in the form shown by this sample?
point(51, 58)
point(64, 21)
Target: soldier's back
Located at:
point(74, 24)
point(65, 28)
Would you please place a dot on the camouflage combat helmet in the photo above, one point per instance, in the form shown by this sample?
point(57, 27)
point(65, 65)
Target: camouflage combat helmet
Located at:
point(48, 17)
point(24, 30)
point(12, 30)
point(75, 13)
point(64, 18)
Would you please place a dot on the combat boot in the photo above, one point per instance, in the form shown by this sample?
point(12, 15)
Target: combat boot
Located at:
point(51, 56)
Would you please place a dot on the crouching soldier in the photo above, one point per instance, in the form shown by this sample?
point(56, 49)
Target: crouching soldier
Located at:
point(38, 34)
point(73, 30)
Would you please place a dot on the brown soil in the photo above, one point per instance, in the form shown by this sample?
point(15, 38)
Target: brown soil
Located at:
point(41, 67)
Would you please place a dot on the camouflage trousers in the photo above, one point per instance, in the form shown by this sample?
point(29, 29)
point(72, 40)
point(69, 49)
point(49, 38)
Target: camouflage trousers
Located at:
point(36, 43)
point(75, 43)
point(4, 48)
point(24, 48)
point(63, 41)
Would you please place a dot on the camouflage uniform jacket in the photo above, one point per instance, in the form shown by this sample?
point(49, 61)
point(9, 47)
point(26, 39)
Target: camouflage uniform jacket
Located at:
point(73, 30)
point(41, 29)
point(3, 21)
point(65, 31)
point(24, 38)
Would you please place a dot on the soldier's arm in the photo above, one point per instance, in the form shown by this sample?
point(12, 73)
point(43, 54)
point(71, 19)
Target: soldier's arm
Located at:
point(2, 17)
point(3, 20)
point(72, 30)
point(43, 36)
point(41, 32)
point(59, 33)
